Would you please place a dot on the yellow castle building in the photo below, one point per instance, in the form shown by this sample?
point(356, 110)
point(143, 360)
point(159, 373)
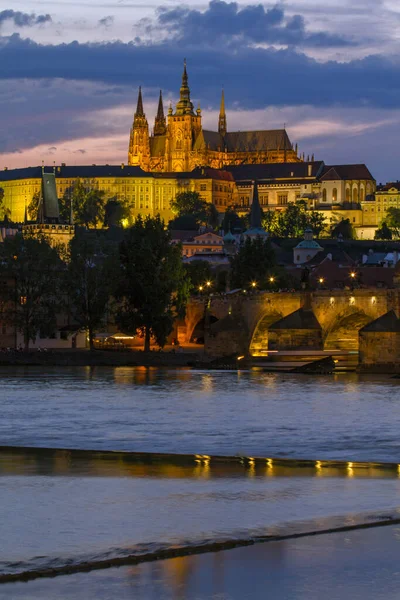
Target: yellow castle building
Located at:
point(179, 142)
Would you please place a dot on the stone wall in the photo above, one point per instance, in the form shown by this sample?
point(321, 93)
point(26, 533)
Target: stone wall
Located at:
point(295, 339)
point(377, 347)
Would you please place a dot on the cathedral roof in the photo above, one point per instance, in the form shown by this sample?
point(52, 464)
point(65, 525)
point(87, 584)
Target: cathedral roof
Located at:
point(255, 141)
point(244, 141)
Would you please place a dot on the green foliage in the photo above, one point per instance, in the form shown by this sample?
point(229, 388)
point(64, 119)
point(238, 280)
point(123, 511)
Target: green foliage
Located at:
point(191, 204)
point(292, 222)
point(89, 280)
point(383, 233)
point(184, 223)
point(345, 229)
point(198, 272)
point(5, 212)
point(31, 297)
point(232, 222)
point(116, 213)
point(33, 207)
point(296, 218)
point(393, 220)
point(270, 221)
point(255, 261)
point(88, 205)
point(153, 286)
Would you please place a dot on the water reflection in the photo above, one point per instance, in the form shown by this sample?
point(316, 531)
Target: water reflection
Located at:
point(32, 461)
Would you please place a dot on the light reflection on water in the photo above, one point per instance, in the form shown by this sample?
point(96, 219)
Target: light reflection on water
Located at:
point(57, 507)
point(344, 416)
point(360, 565)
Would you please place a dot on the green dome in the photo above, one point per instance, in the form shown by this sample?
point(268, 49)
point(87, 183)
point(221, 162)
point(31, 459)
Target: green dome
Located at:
point(229, 238)
point(309, 244)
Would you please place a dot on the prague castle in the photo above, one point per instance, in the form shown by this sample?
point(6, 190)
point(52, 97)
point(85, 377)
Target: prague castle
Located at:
point(179, 142)
point(221, 166)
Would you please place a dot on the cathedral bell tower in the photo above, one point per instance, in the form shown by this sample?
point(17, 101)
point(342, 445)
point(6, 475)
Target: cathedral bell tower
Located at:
point(183, 128)
point(139, 145)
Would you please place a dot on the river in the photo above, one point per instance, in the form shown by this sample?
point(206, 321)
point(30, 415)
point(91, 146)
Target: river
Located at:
point(62, 510)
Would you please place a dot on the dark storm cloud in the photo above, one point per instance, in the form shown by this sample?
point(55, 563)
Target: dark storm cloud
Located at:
point(22, 19)
point(253, 77)
point(253, 23)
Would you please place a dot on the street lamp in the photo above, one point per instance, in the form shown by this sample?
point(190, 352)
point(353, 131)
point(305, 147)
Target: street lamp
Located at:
point(271, 279)
point(254, 284)
point(201, 288)
point(353, 275)
point(208, 283)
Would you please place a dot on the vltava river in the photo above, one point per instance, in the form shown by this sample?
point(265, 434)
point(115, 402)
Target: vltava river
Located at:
point(345, 416)
point(59, 509)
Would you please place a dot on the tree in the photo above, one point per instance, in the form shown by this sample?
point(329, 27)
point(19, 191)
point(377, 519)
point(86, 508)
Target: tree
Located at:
point(296, 219)
point(31, 297)
point(191, 204)
point(33, 207)
point(153, 286)
point(344, 229)
point(232, 222)
point(89, 280)
point(383, 233)
point(270, 221)
point(198, 272)
point(254, 262)
point(116, 213)
point(184, 222)
point(88, 205)
point(393, 220)
point(5, 212)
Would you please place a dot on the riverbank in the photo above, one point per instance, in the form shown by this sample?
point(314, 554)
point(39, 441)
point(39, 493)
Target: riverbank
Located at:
point(99, 358)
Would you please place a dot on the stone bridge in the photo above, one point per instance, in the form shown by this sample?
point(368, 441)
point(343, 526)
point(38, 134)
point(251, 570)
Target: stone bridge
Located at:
point(260, 321)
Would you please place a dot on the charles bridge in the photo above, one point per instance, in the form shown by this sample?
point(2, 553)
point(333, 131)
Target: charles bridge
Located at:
point(254, 322)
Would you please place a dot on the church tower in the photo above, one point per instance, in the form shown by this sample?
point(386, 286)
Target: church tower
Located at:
point(222, 129)
point(183, 128)
point(160, 123)
point(139, 146)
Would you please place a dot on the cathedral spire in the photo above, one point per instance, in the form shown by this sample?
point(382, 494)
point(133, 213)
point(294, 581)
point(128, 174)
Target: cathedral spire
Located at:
point(184, 106)
point(255, 210)
point(139, 109)
point(160, 125)
point(222, 116)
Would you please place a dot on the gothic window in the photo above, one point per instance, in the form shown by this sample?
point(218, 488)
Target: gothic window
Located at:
point(362, 195)
point(355, 195)
point(334, 195)
point(347, 194)
point(324, 195)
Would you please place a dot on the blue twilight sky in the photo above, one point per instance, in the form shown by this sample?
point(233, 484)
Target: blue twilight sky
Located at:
point(69, 72)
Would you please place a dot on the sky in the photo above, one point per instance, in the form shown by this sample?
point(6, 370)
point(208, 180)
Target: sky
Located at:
point(329, 71)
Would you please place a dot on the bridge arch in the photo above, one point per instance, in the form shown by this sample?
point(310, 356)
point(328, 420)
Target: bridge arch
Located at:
point(259, 338)
point(342, 334)
point(198, 331)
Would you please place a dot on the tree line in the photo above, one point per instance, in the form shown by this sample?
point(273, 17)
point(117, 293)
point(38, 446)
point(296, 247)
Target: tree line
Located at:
point(137, 281)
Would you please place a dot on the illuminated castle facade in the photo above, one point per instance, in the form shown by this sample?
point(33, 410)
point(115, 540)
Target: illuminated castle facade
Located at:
point(179, 142)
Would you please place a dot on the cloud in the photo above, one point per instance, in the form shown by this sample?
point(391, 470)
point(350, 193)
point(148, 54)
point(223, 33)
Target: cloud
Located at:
point(22, 19)
point(106, 21)
point(254, 77)
point(223, 21)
